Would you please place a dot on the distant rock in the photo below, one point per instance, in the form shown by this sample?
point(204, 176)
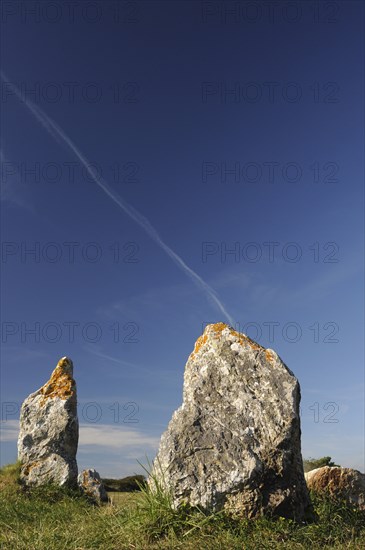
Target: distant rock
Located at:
point(234, 443)
point(91, 484)
point(49, 431)
point(340, 483)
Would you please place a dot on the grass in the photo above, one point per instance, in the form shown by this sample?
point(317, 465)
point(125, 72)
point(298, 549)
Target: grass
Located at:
point(123, 498)
point(51, 517)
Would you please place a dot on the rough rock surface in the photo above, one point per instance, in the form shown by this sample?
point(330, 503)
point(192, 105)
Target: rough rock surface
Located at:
point(49, 430)
point(90, 483)
point(341, 483)
point(235, 441)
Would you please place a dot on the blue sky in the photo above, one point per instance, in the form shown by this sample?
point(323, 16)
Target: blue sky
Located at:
point(227, 133)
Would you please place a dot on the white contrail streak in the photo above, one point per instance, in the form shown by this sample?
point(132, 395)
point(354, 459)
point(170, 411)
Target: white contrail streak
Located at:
point(59, 135)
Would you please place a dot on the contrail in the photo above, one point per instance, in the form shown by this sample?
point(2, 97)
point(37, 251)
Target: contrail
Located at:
point(59, 135)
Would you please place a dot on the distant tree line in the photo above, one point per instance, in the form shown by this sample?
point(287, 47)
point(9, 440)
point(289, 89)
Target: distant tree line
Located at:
point(125, 484)
point(312, 463)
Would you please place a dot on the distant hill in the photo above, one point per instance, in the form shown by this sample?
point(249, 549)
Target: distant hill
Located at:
point(125, 484)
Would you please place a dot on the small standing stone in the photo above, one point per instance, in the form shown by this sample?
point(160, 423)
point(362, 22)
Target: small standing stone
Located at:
point(91, 484)
point(49, 431)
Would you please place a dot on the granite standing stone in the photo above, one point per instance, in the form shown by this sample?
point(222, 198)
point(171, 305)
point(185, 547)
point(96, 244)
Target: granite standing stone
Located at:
point(49, 431)
point(234, 443)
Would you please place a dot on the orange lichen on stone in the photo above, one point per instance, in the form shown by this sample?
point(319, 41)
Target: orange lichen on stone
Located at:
point(61, 384)
point(269, 356)
point(84, 478)
point(198, 344)
point(241, 338)
point(30, 467)
point(219, 327)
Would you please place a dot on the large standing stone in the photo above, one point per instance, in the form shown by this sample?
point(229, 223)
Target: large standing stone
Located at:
point(340, 483)
point(49, 430)
point(91, 484)
point(235, 441)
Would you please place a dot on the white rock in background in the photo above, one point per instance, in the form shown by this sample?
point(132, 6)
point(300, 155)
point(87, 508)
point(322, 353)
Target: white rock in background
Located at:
point(90, 483)
point(235, 441)
point(49, 431)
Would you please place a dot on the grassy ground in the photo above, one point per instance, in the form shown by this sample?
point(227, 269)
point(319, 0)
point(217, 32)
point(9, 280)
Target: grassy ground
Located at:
point(50, 518)
point(123, 498)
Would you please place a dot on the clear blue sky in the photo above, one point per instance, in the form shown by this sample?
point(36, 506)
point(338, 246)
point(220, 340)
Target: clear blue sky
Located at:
point(166, 99)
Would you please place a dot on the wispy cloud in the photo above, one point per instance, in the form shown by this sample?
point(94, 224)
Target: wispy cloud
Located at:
point(155, 299)
point(253, 291)
point(18, 353)
point(9, 430)
point(107, 436)
point(118, 361)
point(115, 437)
point(59, 135)
point(114, 450)
point(11, 191)
point(130, 369)
point(322, 286)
